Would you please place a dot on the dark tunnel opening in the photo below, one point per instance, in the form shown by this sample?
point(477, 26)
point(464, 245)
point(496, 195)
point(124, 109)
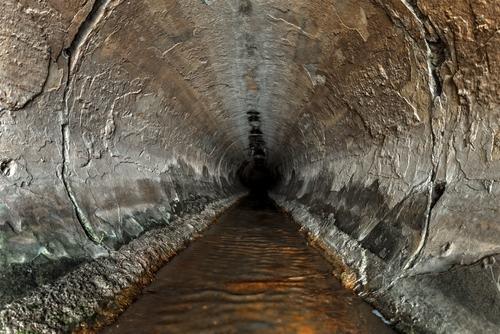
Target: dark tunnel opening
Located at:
point(258, 176)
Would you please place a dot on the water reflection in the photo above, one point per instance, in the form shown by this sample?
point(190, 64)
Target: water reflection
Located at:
point(252, 272)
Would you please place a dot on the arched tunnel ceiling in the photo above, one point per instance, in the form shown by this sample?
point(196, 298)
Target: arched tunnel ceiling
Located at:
point(213, 62)
point(383, 117)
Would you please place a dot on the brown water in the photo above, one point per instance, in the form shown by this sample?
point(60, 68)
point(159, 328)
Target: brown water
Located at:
point(252, 272)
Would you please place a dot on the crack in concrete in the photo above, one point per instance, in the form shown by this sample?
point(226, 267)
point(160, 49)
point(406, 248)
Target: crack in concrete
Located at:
point(164, 54)
point(80, 215)
point(294, 26)
point(88, 25)
point(72, 55)
point(435, 47)
point(436, 54)
point(454, 267)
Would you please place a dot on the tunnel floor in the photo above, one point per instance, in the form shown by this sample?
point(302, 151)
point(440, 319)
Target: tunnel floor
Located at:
point(251, 272)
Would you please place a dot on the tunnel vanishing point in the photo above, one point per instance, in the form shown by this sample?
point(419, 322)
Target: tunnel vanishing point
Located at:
point(126, 127)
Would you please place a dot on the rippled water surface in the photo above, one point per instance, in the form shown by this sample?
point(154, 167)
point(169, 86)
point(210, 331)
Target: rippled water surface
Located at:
point(251, 272)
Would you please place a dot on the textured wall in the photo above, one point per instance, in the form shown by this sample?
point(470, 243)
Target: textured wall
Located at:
point(383, 117)
point(397, 168)
point(110, 126)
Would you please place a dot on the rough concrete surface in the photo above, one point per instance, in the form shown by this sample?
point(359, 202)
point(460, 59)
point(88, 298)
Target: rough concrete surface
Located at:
point(460, 300)
point(99, 290)
point(382, 116)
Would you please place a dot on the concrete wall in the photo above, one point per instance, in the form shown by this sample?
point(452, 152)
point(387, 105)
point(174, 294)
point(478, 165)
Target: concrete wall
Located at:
point(397, 166)
point(104, 135)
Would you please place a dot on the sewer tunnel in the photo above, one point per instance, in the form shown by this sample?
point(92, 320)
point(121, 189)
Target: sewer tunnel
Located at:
point(128, 127)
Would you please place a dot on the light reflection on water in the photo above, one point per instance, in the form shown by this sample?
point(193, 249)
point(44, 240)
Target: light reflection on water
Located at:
point(252, 272)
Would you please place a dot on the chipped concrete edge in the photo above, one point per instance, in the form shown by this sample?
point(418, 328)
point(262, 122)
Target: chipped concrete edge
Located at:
point(95, 293)
point(406, 306)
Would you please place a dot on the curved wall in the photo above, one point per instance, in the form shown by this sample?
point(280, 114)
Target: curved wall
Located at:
point(382, 116)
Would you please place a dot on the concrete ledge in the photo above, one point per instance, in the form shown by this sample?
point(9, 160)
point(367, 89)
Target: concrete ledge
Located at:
point(411, 303)
point(96, 292)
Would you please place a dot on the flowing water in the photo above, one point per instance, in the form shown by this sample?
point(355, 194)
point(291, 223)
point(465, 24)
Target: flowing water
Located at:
point(251, 272)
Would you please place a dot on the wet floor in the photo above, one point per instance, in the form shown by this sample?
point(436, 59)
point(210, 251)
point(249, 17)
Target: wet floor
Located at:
point(251, 272)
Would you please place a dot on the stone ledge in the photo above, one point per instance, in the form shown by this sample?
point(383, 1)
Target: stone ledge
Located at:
point(95, 293)
point(411, 304)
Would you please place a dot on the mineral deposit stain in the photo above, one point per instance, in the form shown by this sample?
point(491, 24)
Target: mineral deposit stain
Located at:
point(252, 272)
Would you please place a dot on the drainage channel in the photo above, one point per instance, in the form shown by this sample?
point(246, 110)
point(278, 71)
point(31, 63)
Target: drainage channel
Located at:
point(252, 272)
